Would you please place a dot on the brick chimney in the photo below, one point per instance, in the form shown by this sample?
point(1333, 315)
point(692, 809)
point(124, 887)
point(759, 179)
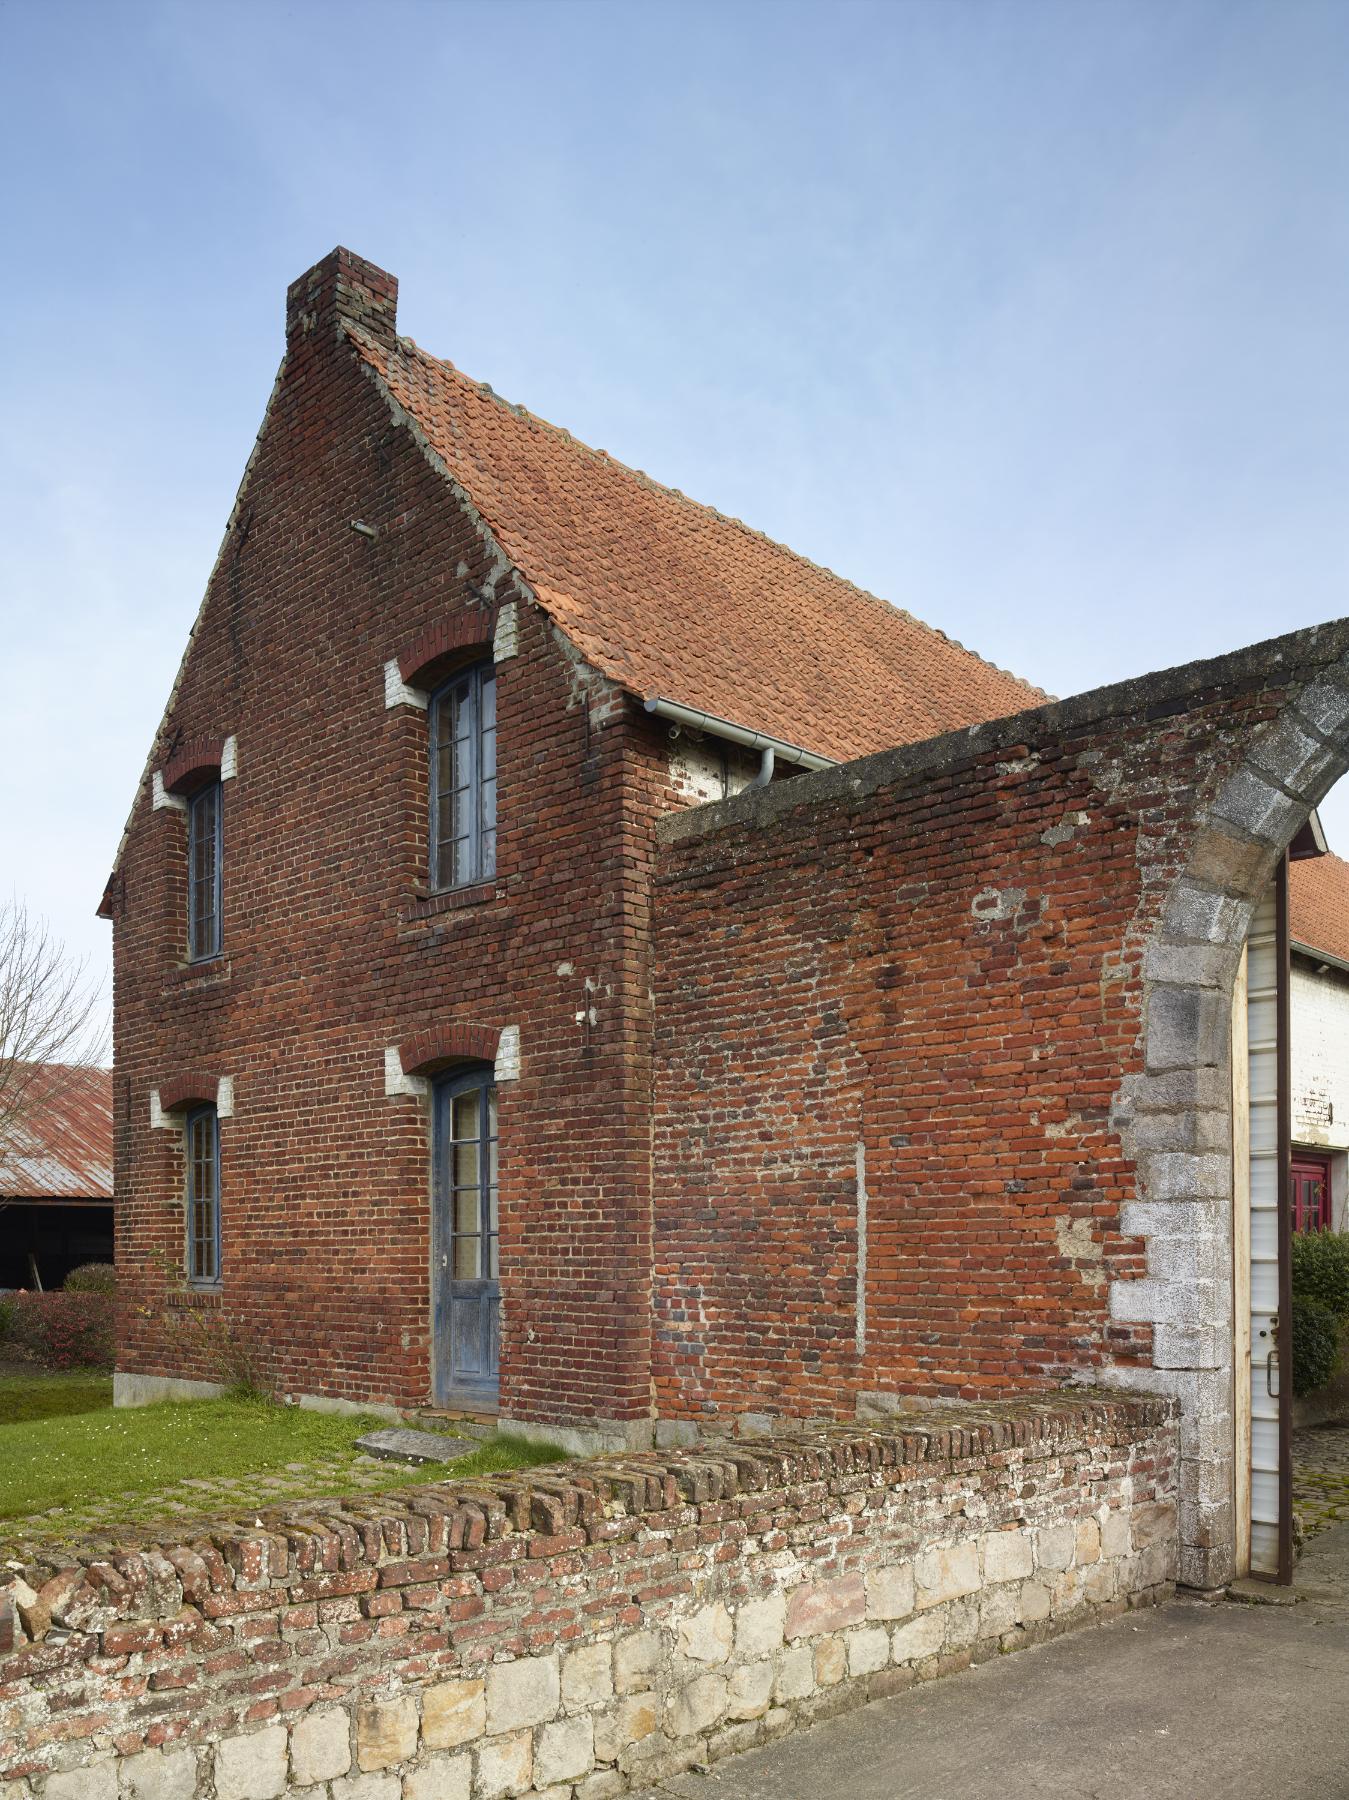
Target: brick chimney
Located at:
point(342, 287)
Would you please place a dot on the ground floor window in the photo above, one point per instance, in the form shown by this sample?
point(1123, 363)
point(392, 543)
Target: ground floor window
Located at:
point(203, 1196)
point(1310, 1190)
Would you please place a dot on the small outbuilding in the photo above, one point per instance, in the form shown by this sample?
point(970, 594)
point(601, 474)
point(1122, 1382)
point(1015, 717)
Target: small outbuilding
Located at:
point(56, 1177)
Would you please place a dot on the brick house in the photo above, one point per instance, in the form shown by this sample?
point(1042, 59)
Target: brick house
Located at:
point(576, 960)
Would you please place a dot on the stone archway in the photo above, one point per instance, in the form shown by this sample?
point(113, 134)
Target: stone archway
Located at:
point(1175, 1118)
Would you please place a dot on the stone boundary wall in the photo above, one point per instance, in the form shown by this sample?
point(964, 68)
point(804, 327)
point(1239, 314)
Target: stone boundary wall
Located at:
point(575, 1631)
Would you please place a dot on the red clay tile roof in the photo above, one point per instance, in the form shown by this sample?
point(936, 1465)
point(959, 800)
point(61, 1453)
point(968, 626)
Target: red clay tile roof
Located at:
point(60, 1147)
point(671, 598)
point(1318, 904)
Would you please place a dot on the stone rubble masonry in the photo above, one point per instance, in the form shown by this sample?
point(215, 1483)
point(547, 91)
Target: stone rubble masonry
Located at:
point(576, 1631)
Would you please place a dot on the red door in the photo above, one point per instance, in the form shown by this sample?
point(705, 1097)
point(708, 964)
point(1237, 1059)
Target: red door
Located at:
point(1310, 1192)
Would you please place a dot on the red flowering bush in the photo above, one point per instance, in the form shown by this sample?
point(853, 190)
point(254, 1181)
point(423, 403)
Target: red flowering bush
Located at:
point(63, 1331)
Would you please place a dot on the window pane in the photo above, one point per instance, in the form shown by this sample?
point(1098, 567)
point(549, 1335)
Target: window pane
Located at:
point(468, 1212)
point(468, 1259)
point(466, 1165)
point(465, 1116)
point(493, 1266)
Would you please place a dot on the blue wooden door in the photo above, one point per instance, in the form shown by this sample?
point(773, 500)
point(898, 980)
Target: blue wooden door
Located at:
point(466, 1277)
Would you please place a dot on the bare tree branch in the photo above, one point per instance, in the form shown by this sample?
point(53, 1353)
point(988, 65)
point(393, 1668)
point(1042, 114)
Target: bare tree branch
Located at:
point(49, 1011)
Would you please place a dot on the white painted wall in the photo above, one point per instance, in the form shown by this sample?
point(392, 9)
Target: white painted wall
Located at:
point(1320, 1069)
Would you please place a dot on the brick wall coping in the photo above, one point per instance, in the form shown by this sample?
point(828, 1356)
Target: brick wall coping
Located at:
point(302, 1552)
point(1280, 659)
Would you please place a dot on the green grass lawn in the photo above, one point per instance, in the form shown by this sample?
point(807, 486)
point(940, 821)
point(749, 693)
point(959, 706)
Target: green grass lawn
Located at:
point(63, 1446)
point(36, 1394)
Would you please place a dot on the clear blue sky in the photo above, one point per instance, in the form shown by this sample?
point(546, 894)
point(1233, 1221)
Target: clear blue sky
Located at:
point(1029, 316)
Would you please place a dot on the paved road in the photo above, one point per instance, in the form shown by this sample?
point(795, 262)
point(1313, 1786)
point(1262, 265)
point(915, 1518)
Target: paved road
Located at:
point(1190, 1701)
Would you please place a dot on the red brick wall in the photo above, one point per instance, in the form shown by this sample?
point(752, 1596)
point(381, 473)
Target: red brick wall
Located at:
point(934, 957)
point(332, 951)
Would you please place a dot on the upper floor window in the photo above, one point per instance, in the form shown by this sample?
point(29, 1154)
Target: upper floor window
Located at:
point(204, 822)
point(203, 1196)
point(463, 727)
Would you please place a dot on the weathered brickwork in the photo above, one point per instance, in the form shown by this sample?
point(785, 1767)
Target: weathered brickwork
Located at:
point(575, 1632)
point(941, 1057)
point(335, 953)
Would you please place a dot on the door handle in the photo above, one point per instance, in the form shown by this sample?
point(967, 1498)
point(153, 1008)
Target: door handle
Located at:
point(1271, 1363)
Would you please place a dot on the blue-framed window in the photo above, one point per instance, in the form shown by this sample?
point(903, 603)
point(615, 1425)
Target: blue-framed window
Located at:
point(205, 820)
point(203, 1196)
point(463, 737)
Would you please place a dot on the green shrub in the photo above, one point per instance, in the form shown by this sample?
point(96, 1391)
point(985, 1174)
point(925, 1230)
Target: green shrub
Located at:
point(92, 1278)
point(1316, 1344)
point(63, 1331)
point(6, 1315)
point(1320, 1268)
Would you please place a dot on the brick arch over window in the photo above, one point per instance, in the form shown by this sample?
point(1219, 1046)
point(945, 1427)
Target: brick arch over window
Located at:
point(444, 1045)
point(1176, 1116)
point(192, 763)
point(192, 1088)
point(435, 652)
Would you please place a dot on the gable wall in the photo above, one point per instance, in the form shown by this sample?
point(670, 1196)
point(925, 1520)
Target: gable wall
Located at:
point(330, 956)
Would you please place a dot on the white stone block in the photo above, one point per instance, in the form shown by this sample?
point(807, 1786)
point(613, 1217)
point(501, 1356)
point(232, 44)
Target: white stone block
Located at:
point(1054, 1545)
point(522, 1693)
point(947, 1573)
point(636, 1660)
point(920, 1638)
point(565, 1752)
point(697, 1706)
point(1116, 1536)
point(386, 1733)
point(367, 1787)
point(506, 637)
point(587, 1679)
point(751, 1689)
point(890, 1592)
point(505, 1766)
point(95, 1781)
point(252, 1767)
point(796, 1675)
point(160, 1775)
point(868, 1649)
point(630, 1722)
point(440, 1777)
point(706, 1636)
point(320, 1746)
point(759, 1626)
point(1008, 1556)
point(999, 1610)
point(453, 1713)
point(1035, 1599)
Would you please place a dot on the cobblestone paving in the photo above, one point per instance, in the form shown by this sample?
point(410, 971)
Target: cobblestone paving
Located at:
point(133, 1515)
point(1321, 1476)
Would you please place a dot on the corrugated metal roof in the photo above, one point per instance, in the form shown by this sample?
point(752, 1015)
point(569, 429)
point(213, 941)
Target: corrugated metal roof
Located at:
point(60, 1147)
